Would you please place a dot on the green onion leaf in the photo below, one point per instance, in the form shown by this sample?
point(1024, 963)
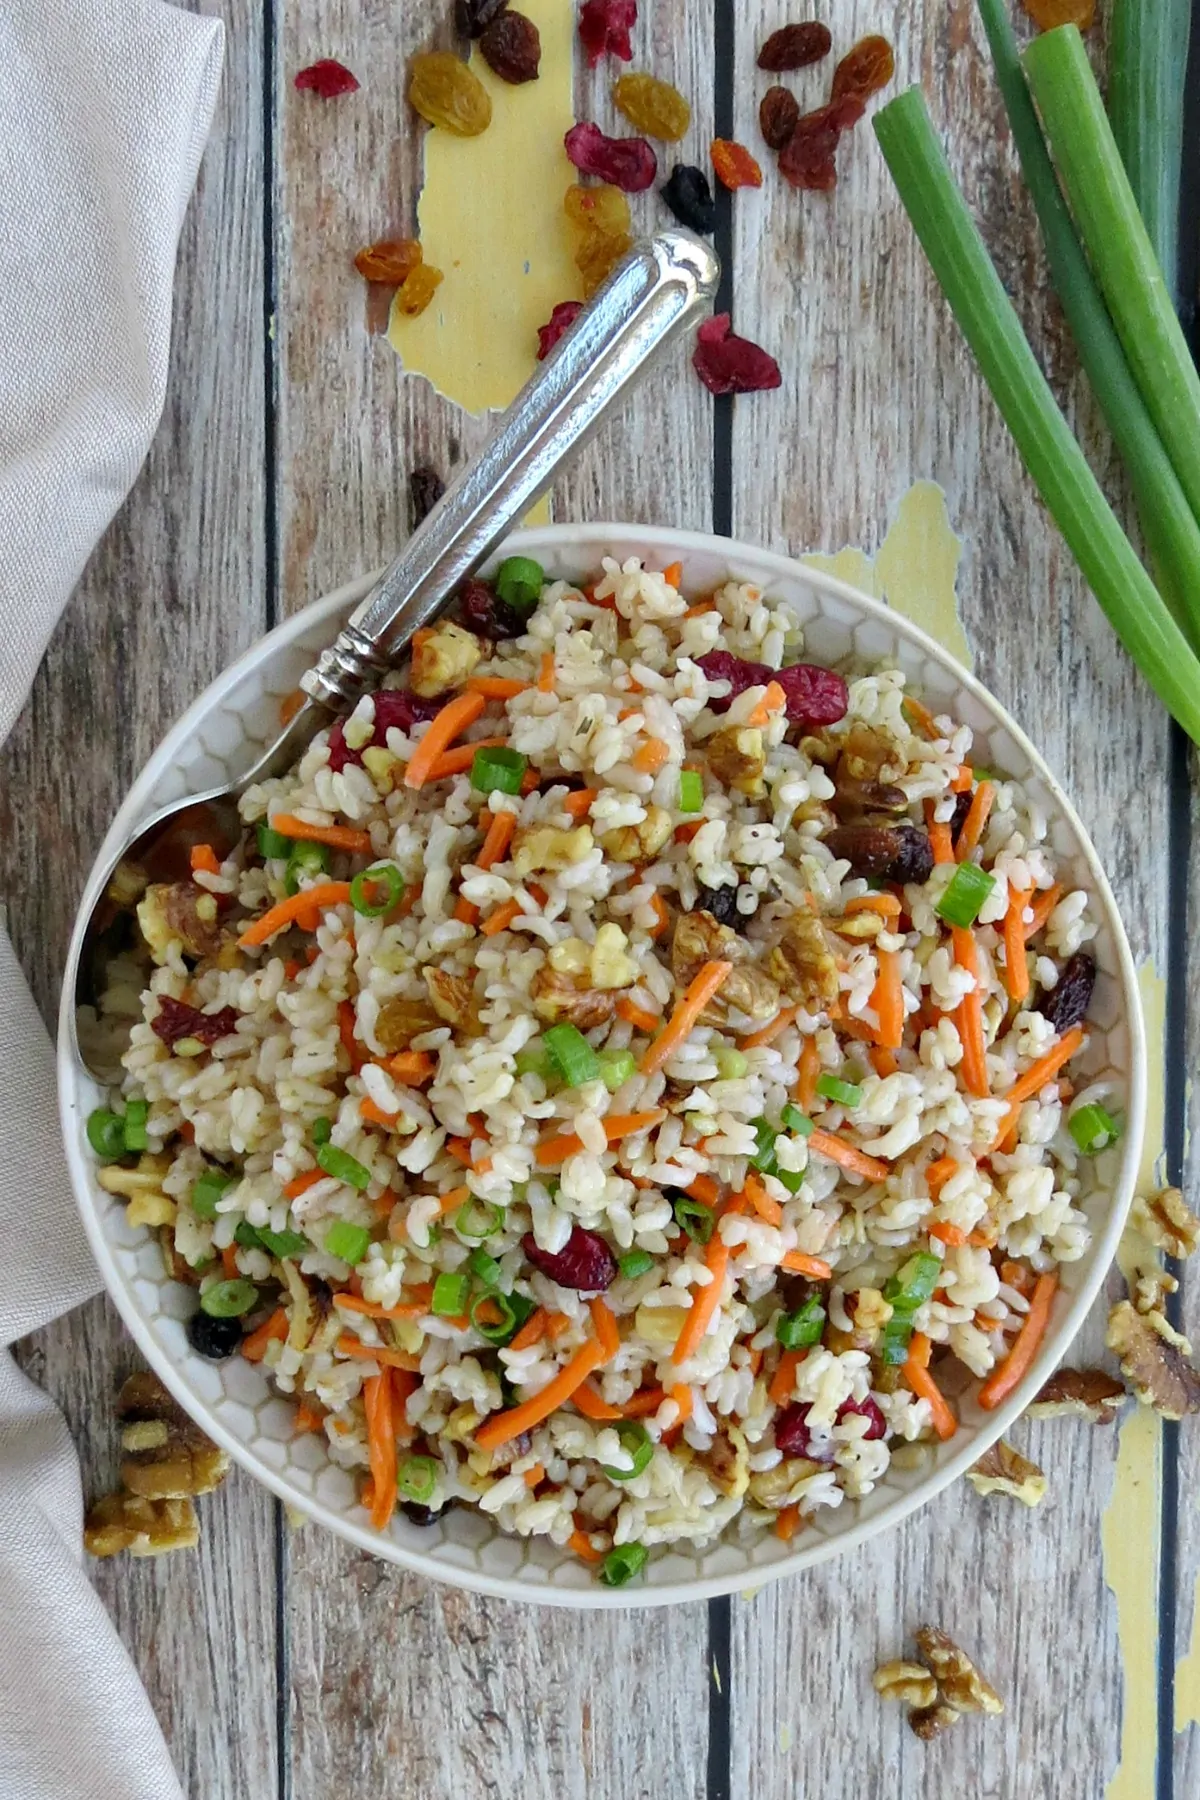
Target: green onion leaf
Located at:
point(533, 1060)
point(968, 888)
point(106, 1133)
point(500, 1325)
point(416, 1477)
point(343, 1167)
point(623, 1563)
point(797, 1121)
point(635, 1441)
point(616, 1067)
point(485, 1267)
point(322, 1130)
point(1147, 69)
point(478, 1219)
point(571, 1055)
point(803, 1328)
point(247, 1235)
point(305, 862)
point(695, 1218)
point(133, 1124)
point(764, 1159)
point(228, 1299)
point(691, 791)
point(498, 770)
point(1093, 1128)
point(519, 581)
point(914, 1281)
point(347, 1242)
point(272, 845)
point(284, 1243)
point(450, 1295)
point(893, 1341)
point(832, 1087)
point(635, 1263)
point(207, 1190)
point(373, 891)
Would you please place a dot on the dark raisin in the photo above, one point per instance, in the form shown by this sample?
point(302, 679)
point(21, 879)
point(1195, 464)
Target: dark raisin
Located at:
point(690, 198)
point(868, 1409)
point(485, 612)
point(214, 1338)
point(795, 46)
point(512, 48)
point(958, 818)
point(418, 1514)
point(869, 849)
point(425, 489)
point(1066, 1004)
point(472, 17)
point(792, 1434)
point(585, 1261)
point(719, 902)
point(807, 160)
point(177, 1020)
point(778, 112)
point(914, 859)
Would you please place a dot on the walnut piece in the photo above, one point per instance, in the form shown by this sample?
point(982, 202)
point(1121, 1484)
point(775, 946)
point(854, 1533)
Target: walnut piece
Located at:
point(773, 1489)
point(453, 1000)
point(930, 1721)
point(1003, 1470)
point(1168, 1221)
point(166, 1456)
point(959, 1681)
point(556, 997)
point(443, 659)
point(870, 1312)
point(865, 754)
point(727, 1462)
point(803, 962)
point(1154, 1288)
point(1086, 1393)
point(747, 989)
point(400, 1021)
point(1154, 1366)
point(737, 757)
point(142, 1189)
point(639, 843)
point(143, 1527)
point(546, 847)
point(909, 1682)
point(179, 912)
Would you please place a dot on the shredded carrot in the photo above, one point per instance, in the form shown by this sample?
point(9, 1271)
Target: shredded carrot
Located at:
point(953, 1235)
point(443, 728)
point(855, 1161)
point(699, 993)
point(350, 1044)
point(969, 1016)
point(1005, 1376)
point(686, 832)
point(638, 1016)
point(773, 698)
point(616, 1125)
point(938, 1174)
point(229, 1263)
point(810, 1068)
point(706, 1189)
point(302, 1183)
point(673, 575)
point(204, 858)
point(962, 781)
point(801, 1264)
point(605, 1326)
point(1016, 968)
point(885, 904)
point(309, 1417)
point(338, 837)
point(532, 1476)
point(579, 804)
point(649, 759)
point(592, 1405)
point(381, 1446)
point(888, 1000)
point(545, 678)
point(766, 1034)
point(1042, 907)
point(662, 917)
point(412, 1308)
point(922, 1384)
point(1017, 1275)
point(681, 1394)
point(501, 1428)
point(452, 1199)
point(460, 1150)
point(290, 705)
point(787, 1523)
point(349, 1345)
point(494, 687)
point(882, 1061)
point(375, 1115)
point(705, 1300)
point(412, 1067)
point(404, 1383)
point(292, 910)
point(459, 760)
point(532, 1331)
point(701, 606)
point(976, 819)
point(254, 1344)
point(920, 716)
point(761, 1201)
point(783, 1380)
point(501, 918)
point(1036, 1077)
point(466, 912)
point(187, 1131)
point(582, 1545)
point(497, 839)
point(939, 836)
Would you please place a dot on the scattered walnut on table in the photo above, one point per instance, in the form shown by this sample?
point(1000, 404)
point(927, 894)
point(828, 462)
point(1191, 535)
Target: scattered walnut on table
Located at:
point(167, 1460)
point(1003, 1470)
point(1168, 1221)
point(1154, 1361)
point(124, 1521)
point(959, 1681)
point(930, 1721)
point(1090, 1394)
point(1154, 1288)
point(909, 1682)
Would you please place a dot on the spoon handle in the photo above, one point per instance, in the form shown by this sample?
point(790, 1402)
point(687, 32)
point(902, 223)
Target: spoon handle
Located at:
point(663, 286)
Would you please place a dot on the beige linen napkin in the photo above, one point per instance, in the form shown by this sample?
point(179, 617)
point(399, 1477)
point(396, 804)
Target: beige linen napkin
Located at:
point(104, 109)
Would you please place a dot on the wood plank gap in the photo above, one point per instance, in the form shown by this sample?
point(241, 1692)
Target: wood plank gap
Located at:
point(270, 297)
point(719, 1777)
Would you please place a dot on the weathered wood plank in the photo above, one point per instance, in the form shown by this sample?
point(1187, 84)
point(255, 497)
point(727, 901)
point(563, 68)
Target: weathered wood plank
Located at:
point(174, 591)
point(1186, 1745)
point(878, 391)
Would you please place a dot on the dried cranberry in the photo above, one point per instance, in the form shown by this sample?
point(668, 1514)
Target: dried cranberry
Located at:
point(472, 17)
point(557, 326)
point(795, 46)
point(484, 611)
point(393, 706)
point(815, 696)
point(626, 163)
point(728, 364)
point(792, 1435)
point(177, 1020)
point(807, 159)
point(690, 198)
point(719, 902)
point(585, 1261)
point(425, 489)
point(604, 28)
point(512, 48)
point(327, 78)
point(1066, 1004)
point(866, 1409)
point(778, 116)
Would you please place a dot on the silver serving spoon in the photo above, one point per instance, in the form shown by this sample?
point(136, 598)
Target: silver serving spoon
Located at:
point(664, 286)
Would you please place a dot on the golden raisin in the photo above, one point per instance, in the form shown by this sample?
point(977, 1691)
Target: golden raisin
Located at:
point(868, 66)
point(734, 165)
point(444, 91)
point(390, 261)
point(603, 210)
point(418, 289)
point(653, 106)
point(1047, 14)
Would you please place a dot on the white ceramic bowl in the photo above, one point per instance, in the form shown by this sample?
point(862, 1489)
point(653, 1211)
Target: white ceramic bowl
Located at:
point(234, 1402)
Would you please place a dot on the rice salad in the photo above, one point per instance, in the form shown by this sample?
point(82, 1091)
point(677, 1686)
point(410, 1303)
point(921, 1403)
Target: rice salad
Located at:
point(622, 1080)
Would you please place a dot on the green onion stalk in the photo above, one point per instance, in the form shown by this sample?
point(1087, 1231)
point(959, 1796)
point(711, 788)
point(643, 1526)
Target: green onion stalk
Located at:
point(1059, 470)
point(1148, 59)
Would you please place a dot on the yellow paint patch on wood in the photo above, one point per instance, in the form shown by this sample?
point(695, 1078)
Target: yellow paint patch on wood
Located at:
point(491, 218)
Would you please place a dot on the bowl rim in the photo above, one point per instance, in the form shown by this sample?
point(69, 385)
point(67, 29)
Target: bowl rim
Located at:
point(592, 540)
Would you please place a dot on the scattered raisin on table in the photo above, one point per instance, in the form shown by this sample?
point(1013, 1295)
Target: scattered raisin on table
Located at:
point(327, 78)
point(795, 46)
point(735, 166)
point(604, 28)
point(778, 116)
point(417, 289)
point(1066, 1004)
point(690, 198)
point(808, 159)
point(557, 326)
point(512, 48)
point(728, 364)
point(1047, 14)
point(390, 261)
point(472, 17)
point(868, 66)
point(653, 106)
point(627, 163)
point(601, 220)
point(425, 489)
point(444, 90)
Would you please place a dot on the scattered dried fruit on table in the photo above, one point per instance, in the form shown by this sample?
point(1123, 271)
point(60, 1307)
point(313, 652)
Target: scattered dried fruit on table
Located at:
point(1168, 1221)
point(1003, 1470)
point(1090, 1394)
point(795, 46)
point(1047, 14)
point(735, 166)
point(417, 290)
point(327, 78)
point(1154, 1288)
point(690, 198)
point(390, 261)
point(908, 1682)
point(930, 1721)
point(604, 28)
point(627, 163)
point(472, 17)
point(557, 326)
point(603, 231)
point(778, 116)
point(653, 106)
point(445, 91)
point(1153, 1362)
point(425, 489)
point(512, 48)
point(959, 1681)
point(807, 160)
point(1068, 1001)
point(728, 364)
point(143, 1527)
point(868, 66)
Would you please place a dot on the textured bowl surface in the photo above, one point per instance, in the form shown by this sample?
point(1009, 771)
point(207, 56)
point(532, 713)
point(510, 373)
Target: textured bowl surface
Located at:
point(233, 1400)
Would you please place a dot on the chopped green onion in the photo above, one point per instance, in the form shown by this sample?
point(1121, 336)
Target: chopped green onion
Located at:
point(485, 1267)
point(1093, 1128)
point(207, 1190)
point(450, 1295)
point(635, 1263)
point(1147, 69)
point(914, 1281)
point(497, 770)
point(691, 790)
point(832, 1087)
point(764, 1159)
point(731, 1064)
point(496, 1331)
point(519, 581)
point(635, 1441)
point(803, 1328)
point(695, 1218)
point(365, 895)
point(106, 1133)
point(349, 1243)
point(616, 1066)
point(283, 1243)
point(478, 1219)
point(1057, 465)
point(968, 888)
point(797, 1121)
point(322, 1130)
point(416, 1477)
point(272, 845)
point(893, 1342)
point(533, 1060)
point(343, 1167)
point(571, 1055)
point(305, 860)
point(247, 1235)
point(228, 1299)
point(133, 1124)
point(623, 1563)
